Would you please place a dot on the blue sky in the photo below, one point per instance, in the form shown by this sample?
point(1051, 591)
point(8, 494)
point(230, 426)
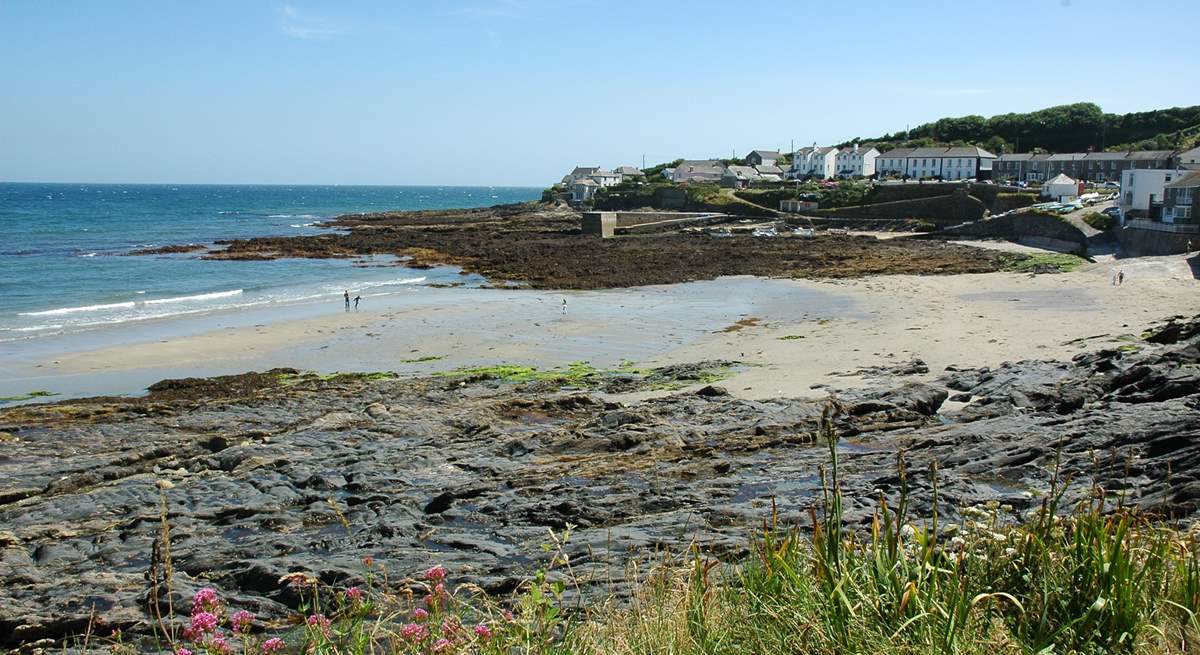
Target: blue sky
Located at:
point(516, 92)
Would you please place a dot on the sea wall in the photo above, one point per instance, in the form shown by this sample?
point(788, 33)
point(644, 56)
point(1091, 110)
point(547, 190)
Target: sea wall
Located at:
point(1029, 228)
point(1138, 242)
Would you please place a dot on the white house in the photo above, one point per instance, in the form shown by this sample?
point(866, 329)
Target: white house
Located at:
point(893, 162)
point(605, 178)
point(954, 163)
point(1143, 187)
point(814, 162)
point(1061, 188)
point(855, 161)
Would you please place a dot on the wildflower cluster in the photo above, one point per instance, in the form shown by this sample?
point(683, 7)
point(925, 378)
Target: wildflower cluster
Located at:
point(205, 632)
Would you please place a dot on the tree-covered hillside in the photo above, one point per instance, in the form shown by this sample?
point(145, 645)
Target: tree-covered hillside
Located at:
point(1066, 128)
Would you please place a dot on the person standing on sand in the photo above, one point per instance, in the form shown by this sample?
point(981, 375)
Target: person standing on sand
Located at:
point(564, 306)
point(356, 299)
point(346, 295)
point(1120, 277)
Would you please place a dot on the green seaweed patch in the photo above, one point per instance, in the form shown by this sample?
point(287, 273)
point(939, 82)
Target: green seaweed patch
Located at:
point(791, 337)
point(573, 373)
point(40, 393)
point(1064, 263)
point(426, 358)
point(290, 379)
point(711, 377)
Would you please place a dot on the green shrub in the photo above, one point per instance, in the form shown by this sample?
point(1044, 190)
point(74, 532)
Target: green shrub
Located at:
point(1100, 221)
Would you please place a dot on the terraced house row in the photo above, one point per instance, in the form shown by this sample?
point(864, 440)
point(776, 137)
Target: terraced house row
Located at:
point(1085, 166)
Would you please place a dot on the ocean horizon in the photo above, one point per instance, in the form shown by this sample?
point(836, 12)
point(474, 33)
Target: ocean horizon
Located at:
point(65, 263)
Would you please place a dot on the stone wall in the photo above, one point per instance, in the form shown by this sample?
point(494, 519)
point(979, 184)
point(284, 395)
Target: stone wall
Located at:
point(942, 210)
point(1030, 228)
point(1137, 242)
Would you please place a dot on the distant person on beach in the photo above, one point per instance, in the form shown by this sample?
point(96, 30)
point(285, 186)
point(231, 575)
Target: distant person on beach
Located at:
point(356, 299)
point(564, 306)
point(1120, 277)
point(346, 295)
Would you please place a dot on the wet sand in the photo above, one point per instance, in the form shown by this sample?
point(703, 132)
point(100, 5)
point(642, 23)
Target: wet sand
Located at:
point(808, 337)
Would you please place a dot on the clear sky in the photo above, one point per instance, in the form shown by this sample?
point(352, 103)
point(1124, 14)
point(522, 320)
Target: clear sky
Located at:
point(517, 92)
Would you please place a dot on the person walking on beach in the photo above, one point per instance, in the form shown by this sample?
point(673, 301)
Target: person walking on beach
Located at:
point(356, 299)
point(1120, 277)
point(346, 295)
point(564, 306)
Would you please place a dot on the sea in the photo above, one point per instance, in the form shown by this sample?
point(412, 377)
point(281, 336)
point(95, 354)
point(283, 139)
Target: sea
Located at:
point(65, 263)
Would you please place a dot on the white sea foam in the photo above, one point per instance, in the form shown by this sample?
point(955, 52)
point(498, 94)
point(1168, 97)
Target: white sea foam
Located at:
point(86, 308)
point(200, 296)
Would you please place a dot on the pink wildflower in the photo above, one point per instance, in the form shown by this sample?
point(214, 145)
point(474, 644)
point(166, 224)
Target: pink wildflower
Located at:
point(508, 616)
point(319, 621)
point(354, 594)
point(420, 614)
point(272, 645)
point(436, 573)
point(442, 645)
point(204, 600)
point(368, 561)
point(203, 622)
point(240, 621)
point(219, 644)
point(182, 651)
point(450, 625)
point(414, 631)
point(483, 632)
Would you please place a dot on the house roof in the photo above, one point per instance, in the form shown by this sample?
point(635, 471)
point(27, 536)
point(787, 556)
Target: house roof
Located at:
point(1194, 153)
point(1189, 181)
point(585, 170)
point(743, 172)
point(807, 150)
point(768, 169)
point(898, 152)
point(968, 151)
point(586, 182)
point(602, 173)
point(1066, 156)
point(1062, 178)
point(927, 152)
point(629, 170)
point(1104, 156)
point(765, 154)
point(1016, 156)
point(1142, 155)
point(698, 162)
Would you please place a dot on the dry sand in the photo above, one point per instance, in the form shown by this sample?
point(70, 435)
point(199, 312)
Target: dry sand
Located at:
point(832, 329)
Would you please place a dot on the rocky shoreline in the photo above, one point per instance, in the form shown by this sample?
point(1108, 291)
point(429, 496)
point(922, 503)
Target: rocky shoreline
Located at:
point(541, 245)
point(269, 473)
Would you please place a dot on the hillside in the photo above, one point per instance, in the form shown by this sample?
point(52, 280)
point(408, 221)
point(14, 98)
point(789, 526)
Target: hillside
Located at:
point(1065, 128)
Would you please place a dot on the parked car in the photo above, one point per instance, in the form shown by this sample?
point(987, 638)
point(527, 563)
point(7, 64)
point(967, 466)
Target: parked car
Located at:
point(1112, 185)
point(1112, 211)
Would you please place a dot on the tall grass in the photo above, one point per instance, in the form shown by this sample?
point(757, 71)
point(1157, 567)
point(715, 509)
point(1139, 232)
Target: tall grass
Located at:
point(1095, 579)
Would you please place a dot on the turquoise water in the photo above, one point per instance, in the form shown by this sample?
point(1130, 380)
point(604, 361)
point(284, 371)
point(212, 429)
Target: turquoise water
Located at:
point(64, 263)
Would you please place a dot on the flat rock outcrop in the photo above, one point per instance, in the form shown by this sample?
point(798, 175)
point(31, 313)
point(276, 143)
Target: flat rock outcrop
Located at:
point(271, 473)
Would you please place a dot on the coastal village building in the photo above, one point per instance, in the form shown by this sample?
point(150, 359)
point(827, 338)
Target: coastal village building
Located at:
point(700, 170)
point(583, 190)
point(579, 173)
point(893, 162)
point(1189, 158)
point(1087, 166)
point(770, 173)
point(1181, 205)
point(740, 177)
point(629, 173)
point(760, 157)
point(820, 163)
point(953, 163)
point(855, 162)
point(605, 178)
point(1143, 190)
point(1061, 188)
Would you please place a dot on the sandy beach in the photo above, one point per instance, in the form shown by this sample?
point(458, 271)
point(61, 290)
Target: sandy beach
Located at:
point(801, 337)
